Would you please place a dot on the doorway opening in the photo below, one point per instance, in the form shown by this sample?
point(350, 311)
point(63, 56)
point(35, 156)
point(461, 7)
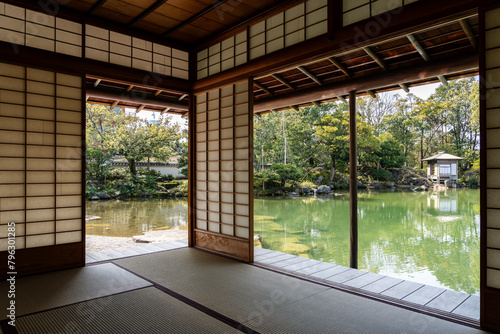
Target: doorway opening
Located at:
point(136, 168)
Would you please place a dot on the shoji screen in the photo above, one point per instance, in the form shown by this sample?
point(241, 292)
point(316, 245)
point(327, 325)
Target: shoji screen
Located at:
point(223, 192)
point(41, 133)
point(358, 10)
point(490, 109)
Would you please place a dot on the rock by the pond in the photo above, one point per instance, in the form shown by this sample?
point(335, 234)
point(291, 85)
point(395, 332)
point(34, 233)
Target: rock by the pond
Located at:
point(88, 218)
point(161, 236)
point(103, 196)
point(293, 194)
point(305, 190)
point(323, 190)
point(95, 198)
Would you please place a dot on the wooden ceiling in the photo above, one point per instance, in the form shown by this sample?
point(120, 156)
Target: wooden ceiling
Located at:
point(449, 41)
point(188, 22)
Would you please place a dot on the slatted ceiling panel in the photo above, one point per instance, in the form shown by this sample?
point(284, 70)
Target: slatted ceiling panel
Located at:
point(492, 83)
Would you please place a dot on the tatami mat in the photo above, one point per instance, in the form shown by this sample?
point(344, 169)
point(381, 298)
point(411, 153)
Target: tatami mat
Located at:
point(147, 310)
point(231, 288)
point(270, 302)
point(46, 291)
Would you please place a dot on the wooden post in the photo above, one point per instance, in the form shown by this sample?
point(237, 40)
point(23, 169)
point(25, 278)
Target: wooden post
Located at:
point(353, 176)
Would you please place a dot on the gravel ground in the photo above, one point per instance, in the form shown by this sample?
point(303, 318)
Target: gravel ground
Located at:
point(97, 243)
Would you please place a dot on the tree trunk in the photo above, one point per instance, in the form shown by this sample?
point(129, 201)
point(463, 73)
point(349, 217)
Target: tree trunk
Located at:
point(422, 149)
point(332, 170)
point(131, 166)
point(149, 165)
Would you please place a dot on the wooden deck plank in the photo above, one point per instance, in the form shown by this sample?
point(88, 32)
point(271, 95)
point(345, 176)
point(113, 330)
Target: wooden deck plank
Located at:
point(267, 256)
point(259, 251)
point(301, 265)
point(402, 289)
point(346, 275)
point(448, 300)
point(100, 257)
point(276, 259)
point(89, 259)
point(126, 251)
point(382, 284)
point(469, 308)
point(315, 268)
point(113, 254)
point(152, 247)
point(424, 295)
point(293, 260)
point(360, 281)
point(329, 272)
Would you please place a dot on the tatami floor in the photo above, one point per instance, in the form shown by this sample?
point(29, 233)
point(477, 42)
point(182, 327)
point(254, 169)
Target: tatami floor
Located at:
point(186, 290)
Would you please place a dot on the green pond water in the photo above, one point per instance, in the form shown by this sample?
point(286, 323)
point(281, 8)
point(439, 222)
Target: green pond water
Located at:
point(429, 237)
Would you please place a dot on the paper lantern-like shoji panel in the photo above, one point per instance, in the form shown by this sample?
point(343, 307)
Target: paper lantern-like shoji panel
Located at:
point(297, 24)
point(358, 10)
point(223, 167)
point(292, 26)
point(112, 47)
point(26, 27)
point(41, 135)
point(222, 56)
point(492, 68)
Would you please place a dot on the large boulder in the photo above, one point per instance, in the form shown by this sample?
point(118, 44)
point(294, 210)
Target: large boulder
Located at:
point(323, 190)
point(103, 196)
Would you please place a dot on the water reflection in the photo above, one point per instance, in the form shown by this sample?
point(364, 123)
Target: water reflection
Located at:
point(432, 238)
point(129, 218)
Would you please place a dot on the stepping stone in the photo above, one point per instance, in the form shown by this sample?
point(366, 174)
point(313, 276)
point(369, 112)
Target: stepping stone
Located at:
point(448, 300)
point(402, 289)
point(424, 295)
point(382, 284)
point(469, 308)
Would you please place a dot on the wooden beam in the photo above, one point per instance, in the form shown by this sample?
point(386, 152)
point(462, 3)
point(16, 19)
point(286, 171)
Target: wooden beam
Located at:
point(274, 110)
point(443, 80)
point(405, 87)
point(96, 7)
point(372, 93)
point(129, 88)
point(182, 97)
point(195, 17)
point(294, 108)
point(317, 104)
point(167, 109)
point(142, 106)
point(340, 66)
point(262, 87)
point(97, 82)
point(375, 57)
point(353, 181)
point(342, 99)
point(283, 81)
point(470, 35)
point(113, 105)
point(419, 47)
point(185, 114)
point(309, 74)
point(425, 71)
point(158, 92)
point(146, 12)
point(146, 99)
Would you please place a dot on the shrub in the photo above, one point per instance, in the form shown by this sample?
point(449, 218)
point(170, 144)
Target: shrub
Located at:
point(290, 173)
point(382, 175)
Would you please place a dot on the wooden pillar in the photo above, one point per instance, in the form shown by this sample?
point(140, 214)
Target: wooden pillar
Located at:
point(489, 63)
point(353, 176)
